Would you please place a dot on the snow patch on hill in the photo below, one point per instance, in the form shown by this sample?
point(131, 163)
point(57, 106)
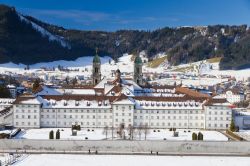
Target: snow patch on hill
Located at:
point(46, 33)
point(79, 62)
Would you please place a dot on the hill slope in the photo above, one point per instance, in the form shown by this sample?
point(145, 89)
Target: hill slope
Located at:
point(23, 37)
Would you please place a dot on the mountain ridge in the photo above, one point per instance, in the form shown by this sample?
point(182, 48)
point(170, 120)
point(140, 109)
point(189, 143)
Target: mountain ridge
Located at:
point(19, 41)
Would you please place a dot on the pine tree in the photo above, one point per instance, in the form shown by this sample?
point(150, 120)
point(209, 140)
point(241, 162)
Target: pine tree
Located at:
point(51, 134)
point(4, 92)
point(200, 136)
point(194, 136)
point(232, 126)
point(58, 134)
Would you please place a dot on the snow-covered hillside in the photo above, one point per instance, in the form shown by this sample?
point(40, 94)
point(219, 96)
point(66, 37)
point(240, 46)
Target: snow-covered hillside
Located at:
point(125, 63)
point(46, 33)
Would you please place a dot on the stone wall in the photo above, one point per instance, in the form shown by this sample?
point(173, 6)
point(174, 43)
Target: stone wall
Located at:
point(125, 147)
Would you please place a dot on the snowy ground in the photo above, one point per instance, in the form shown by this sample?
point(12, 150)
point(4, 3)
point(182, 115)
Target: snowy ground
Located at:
point(123, 160)
point(244, 134)
point(84, 64)
point(5, 131)
point(98, 134)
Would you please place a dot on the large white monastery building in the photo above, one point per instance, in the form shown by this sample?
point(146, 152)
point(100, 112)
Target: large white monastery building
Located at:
point(112, 102)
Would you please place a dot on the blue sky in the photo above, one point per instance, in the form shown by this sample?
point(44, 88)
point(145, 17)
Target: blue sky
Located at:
point(111, 15)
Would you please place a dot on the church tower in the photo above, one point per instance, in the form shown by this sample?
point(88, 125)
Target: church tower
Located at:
point(138, 70)
point(96, 69)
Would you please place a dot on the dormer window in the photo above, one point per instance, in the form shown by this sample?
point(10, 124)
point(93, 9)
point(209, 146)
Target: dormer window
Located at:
point(77, 103)
point(99, 103)
point(88, 103)
point(65, 103)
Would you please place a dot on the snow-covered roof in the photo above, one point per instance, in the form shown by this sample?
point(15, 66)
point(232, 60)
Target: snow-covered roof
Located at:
point(6, 101)
point(77, 91)
point(161, 105)
point(49, 91)
point(76, 104)
point(101, 84)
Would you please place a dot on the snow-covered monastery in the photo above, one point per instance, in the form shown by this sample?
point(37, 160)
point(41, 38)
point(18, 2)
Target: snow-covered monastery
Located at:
point(112, 102)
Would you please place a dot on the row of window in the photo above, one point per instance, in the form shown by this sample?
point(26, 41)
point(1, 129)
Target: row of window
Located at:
point(123, 107)
point(81, 123)
point(170, 117)
point(123, 120)
point(123, 114)
point(169, 111)
point(105, 117)
point(26, 123)
point(163, 124)
point(26, 116)
point(218, 107)
point(75, 111)
point(216, 118)
point(77, 116)
point(220, 125)
point(219, 113)
point(26, 111)
point(27, 106)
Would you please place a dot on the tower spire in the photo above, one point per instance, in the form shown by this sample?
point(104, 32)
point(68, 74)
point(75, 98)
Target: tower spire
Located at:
point(138, 70)
point(96, 70)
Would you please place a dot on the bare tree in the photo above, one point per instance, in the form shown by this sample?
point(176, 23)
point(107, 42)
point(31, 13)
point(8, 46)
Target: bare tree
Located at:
point(140, 130)
point(120, 131)
point(105, 131)
point(146, 131)
point(112, 128)
point(131, 132)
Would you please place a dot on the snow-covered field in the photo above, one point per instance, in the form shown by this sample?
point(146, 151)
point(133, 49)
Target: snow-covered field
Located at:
point(99, 134)
point(123, 160)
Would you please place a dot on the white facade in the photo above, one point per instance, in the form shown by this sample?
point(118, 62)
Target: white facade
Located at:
point(90, 114)
point(113, 103)
point(123, 113)
point(187, 114)
point(218, 116)
point(233, 98)
point(26, 114)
